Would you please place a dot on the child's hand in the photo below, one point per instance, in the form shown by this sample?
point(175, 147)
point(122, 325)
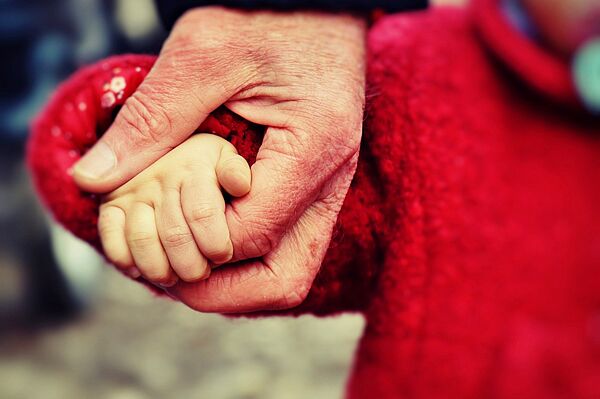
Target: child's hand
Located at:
point(170, 218)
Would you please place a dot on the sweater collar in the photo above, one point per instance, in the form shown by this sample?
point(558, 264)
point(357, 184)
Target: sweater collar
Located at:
point(511, 39)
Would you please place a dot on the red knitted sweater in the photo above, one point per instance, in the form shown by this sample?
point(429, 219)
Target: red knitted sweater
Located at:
point(470, 237)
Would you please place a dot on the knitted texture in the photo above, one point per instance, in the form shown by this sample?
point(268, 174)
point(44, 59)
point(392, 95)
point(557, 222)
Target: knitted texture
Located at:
point(469, 237)
point(83, 108)
point(490, 286)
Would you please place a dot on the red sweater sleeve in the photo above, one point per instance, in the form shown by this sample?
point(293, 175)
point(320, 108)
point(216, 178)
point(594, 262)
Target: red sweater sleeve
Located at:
point(83, 108)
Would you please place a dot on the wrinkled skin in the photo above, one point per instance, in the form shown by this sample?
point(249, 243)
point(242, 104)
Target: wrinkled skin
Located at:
point(299, 74)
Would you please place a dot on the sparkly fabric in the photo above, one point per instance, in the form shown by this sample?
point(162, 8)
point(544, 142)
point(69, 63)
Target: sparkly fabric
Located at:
point(469, 238)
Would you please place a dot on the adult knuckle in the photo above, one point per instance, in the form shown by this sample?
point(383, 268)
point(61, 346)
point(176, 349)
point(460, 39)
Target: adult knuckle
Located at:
point(221, 53)
point(258, 244)
point(257, 235)
point(145, 118)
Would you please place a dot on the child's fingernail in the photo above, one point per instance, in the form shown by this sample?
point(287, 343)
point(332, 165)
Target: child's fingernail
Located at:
point(97, 162)
point(133, 272)
point(586, 74)
point(168, 284)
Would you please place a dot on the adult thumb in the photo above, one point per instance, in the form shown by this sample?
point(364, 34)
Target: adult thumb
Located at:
point(165, 109)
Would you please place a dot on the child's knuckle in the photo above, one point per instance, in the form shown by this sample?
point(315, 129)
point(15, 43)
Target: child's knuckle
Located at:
point(177, 236)
point(203, 214)
point(106, 220)
point(141, 239)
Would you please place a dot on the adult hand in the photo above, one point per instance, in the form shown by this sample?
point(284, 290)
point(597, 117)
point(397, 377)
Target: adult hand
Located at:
point(301, 75)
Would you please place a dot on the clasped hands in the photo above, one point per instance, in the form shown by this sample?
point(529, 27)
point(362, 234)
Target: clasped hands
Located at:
point(299, 74)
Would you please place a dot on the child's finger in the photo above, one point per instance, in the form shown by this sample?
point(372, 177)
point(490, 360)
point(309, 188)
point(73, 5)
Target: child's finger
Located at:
point(178, 241)
point(204, 209)
point(233, 172)
point(111, 226)
point(145, 246)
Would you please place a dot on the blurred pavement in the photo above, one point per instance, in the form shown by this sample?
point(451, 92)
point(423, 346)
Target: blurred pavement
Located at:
point(132, 345)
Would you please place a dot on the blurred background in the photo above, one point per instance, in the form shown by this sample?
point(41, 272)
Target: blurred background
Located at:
point(71, 327)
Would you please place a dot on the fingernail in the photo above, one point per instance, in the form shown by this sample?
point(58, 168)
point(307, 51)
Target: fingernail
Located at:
point(586, 74)
point(168, 284)
point(97, 162)
point(133, 272)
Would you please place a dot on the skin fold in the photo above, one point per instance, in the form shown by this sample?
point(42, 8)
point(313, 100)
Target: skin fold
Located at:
point(301, 75)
